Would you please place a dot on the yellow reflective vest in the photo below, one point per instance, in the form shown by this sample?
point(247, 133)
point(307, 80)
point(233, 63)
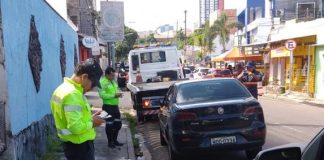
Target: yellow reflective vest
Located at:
point(72, 113)
point(108, 90)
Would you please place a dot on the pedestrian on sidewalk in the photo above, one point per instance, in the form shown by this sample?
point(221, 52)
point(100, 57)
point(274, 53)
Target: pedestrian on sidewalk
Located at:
point(109, 93)
point(72, 113)
point(250, 78)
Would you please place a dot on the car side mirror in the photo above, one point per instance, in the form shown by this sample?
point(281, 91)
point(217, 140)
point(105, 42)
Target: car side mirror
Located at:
point(288, 153)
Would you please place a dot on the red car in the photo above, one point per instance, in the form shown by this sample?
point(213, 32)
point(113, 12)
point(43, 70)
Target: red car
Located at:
point(219, 73)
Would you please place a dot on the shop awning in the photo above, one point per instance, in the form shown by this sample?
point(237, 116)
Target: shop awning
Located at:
point(235, 55)
point(220, 57)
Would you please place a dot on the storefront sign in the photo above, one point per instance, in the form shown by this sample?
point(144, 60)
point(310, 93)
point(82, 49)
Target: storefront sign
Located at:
point(89, 42)
point(280, 52)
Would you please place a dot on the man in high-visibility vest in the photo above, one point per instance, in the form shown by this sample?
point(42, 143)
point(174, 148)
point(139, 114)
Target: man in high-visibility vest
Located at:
point(250, 78)
point(110, 95)
point(72, 113)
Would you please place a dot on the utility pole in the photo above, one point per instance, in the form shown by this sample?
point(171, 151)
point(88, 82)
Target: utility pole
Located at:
point(185, 33)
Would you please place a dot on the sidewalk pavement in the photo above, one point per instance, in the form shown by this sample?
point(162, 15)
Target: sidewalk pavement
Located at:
point(296, 97)
point(102, 151)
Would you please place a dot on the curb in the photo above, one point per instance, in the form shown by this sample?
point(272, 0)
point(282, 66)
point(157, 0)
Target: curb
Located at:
point(303, 100)
point(130, 146)
point(146, 153)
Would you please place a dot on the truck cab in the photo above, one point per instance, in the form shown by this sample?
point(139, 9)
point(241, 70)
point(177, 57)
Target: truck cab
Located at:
point(152, 63)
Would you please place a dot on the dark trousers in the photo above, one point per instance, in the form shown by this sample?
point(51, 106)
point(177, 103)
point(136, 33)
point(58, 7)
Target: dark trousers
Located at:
point(113, 124)
point(83, 151)
point(253, 90)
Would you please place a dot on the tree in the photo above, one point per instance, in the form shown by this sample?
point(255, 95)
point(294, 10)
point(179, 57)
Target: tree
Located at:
point(180, 39)
point(203, 38)
point(150, 39)
point(147, 40)
point(209, 36)
point(123, 47)
point(222, 28)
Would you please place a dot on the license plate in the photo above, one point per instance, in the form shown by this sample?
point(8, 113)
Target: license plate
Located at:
point(223, 140)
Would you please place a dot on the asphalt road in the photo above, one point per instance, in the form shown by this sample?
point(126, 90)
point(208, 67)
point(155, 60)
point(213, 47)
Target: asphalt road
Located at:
point(287, 122)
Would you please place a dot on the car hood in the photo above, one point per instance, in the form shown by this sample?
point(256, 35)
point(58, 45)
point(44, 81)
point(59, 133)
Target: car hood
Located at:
point(217, 102)
point(302, 147)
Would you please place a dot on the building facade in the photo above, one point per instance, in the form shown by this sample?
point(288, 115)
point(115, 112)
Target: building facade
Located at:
point(206, 7)
point(84, 16)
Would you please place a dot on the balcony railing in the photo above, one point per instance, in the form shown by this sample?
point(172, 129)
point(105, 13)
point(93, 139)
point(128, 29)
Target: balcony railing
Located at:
point(301, 16)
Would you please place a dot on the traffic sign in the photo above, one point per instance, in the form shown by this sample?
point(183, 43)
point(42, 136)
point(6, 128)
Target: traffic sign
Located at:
point(290, 45)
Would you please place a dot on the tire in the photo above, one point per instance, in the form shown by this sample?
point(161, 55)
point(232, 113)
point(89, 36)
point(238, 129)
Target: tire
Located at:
point(172, 154)
point(140, 117)
point(250, 154)
point(162, 139)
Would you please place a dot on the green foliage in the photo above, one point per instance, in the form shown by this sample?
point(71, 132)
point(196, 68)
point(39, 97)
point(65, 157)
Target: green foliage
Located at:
point(180, 39)
point(222, 28)
point(123, 47)
point(200, 55)
point(132, 125)
point(147, 40)
point(54, 147)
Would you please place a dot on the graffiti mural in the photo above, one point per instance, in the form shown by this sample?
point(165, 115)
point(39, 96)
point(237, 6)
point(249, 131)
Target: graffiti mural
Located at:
point(35, 54)
point(75, 56)
point(62, 57)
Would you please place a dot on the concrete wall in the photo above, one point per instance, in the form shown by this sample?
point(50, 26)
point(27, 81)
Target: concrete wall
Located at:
point(25, 104)
point(319, 80)
point(26, 107)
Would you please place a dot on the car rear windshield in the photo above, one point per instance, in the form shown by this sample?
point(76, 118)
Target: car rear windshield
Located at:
point(212, 90)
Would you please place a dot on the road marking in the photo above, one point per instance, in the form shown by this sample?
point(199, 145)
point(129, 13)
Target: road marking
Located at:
point(294, 129)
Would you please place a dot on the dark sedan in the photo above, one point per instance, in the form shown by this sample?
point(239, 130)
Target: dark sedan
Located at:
point(204, 116)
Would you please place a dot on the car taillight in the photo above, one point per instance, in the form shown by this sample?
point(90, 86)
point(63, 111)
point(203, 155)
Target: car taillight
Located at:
point(186, 116)
point(146, 103)
point(254, 110)
point(249, 111)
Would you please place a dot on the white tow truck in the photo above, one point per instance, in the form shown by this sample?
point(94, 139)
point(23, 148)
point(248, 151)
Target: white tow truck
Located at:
point(152, 70)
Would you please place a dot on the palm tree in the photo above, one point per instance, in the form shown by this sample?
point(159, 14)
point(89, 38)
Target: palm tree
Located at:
point(222, 28)
point(209, 35)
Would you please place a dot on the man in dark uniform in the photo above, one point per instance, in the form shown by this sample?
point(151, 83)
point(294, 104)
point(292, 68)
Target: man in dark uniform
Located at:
point(250, 78)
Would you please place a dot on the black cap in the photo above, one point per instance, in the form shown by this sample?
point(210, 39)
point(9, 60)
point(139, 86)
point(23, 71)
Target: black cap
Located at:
point(92, 68)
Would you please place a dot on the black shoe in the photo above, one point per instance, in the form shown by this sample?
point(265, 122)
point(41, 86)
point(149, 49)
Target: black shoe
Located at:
point(116, 143)
point(111, 145)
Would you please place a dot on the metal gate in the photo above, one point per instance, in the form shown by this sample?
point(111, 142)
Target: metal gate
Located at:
point(3, 92)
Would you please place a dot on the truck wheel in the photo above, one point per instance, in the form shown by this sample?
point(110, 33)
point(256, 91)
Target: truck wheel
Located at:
point(140, 117)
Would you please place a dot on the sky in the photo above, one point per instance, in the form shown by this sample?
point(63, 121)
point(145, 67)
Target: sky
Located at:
point(144, 15)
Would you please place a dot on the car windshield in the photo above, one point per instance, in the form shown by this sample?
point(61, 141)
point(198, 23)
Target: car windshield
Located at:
point(212, 90)
point(204, 70)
